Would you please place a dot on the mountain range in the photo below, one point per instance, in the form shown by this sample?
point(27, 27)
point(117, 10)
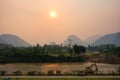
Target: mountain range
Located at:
point(13, 40)
point(92, 39)
point(109, 39)
point(113, 38)
point(72, 40)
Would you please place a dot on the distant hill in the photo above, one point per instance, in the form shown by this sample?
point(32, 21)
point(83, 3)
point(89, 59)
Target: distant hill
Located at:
point(109, 39)
point(13, 40)
point(113, 38)
point(74, 40)
point(52, 43)
point(5, 45)
point(92, 39)
point(9, 40)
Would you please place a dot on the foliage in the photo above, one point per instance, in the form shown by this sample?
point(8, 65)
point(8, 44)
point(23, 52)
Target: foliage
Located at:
point(2, 73)
point(115, 51)
point(54, 72)
point(88, 71)
point(31, 73)
point(111, 50)
point(37, 53)
point(92, 48)
point(65, 79)
point(79, 49)
point(50, 72)
point(118, 70)
point(17, 73)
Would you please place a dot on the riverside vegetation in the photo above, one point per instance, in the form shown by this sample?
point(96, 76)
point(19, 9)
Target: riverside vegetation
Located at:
point(55, 53)
point(59, 53)
point(64, 79)
point(47, 53)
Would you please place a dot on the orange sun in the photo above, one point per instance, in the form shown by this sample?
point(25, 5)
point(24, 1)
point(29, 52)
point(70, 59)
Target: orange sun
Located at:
point(53, 14)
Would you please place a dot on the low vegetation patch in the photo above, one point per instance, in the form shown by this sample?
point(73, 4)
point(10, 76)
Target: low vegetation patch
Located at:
point(64, 79)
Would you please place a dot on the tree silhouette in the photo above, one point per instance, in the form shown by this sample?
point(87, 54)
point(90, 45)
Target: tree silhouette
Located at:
point(79, 49)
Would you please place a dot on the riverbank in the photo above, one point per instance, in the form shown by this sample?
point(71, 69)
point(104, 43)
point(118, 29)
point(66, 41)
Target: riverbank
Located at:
point(64, 68)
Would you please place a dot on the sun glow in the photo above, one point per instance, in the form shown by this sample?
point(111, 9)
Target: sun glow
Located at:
point(53, 14)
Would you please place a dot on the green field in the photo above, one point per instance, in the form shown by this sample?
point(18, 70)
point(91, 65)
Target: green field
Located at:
point(64, 79)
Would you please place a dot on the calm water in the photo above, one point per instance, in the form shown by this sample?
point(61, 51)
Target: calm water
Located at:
point(64, 67)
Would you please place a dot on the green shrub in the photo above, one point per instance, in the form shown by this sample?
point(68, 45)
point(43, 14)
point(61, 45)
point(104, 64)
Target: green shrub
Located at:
point(2, 73)
point(31, 73)
point(17, 73)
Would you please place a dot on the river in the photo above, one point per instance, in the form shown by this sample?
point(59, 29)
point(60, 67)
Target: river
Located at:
point(63, 67)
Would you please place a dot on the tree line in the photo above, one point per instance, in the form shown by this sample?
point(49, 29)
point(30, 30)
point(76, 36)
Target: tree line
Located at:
point(46, 53)
point(53, 53)
point(109, 49)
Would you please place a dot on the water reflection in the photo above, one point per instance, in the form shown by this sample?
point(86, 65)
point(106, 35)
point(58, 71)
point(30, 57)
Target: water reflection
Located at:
point(69, 67)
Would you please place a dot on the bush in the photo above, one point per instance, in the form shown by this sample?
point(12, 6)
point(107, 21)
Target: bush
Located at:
point(51, 72)
point(58, 72)
point(17, 73)
point(54, 72)
point(118, 70)
point(2, 73)
point(39, 73)
point(31, 73)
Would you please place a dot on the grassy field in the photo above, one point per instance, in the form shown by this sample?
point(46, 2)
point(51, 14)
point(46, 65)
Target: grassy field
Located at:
point(64, 79)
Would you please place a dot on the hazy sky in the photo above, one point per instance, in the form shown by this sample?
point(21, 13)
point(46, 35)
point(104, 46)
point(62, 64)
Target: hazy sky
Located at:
point(30, 19)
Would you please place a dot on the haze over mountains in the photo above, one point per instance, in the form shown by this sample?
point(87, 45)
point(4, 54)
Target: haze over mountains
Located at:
point(92, 39)
point(113, 38)
point(72, 40)
point(109, 39)
point(13, 40)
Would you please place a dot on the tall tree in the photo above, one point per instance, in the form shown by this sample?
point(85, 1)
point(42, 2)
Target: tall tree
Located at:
point(79, 49)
